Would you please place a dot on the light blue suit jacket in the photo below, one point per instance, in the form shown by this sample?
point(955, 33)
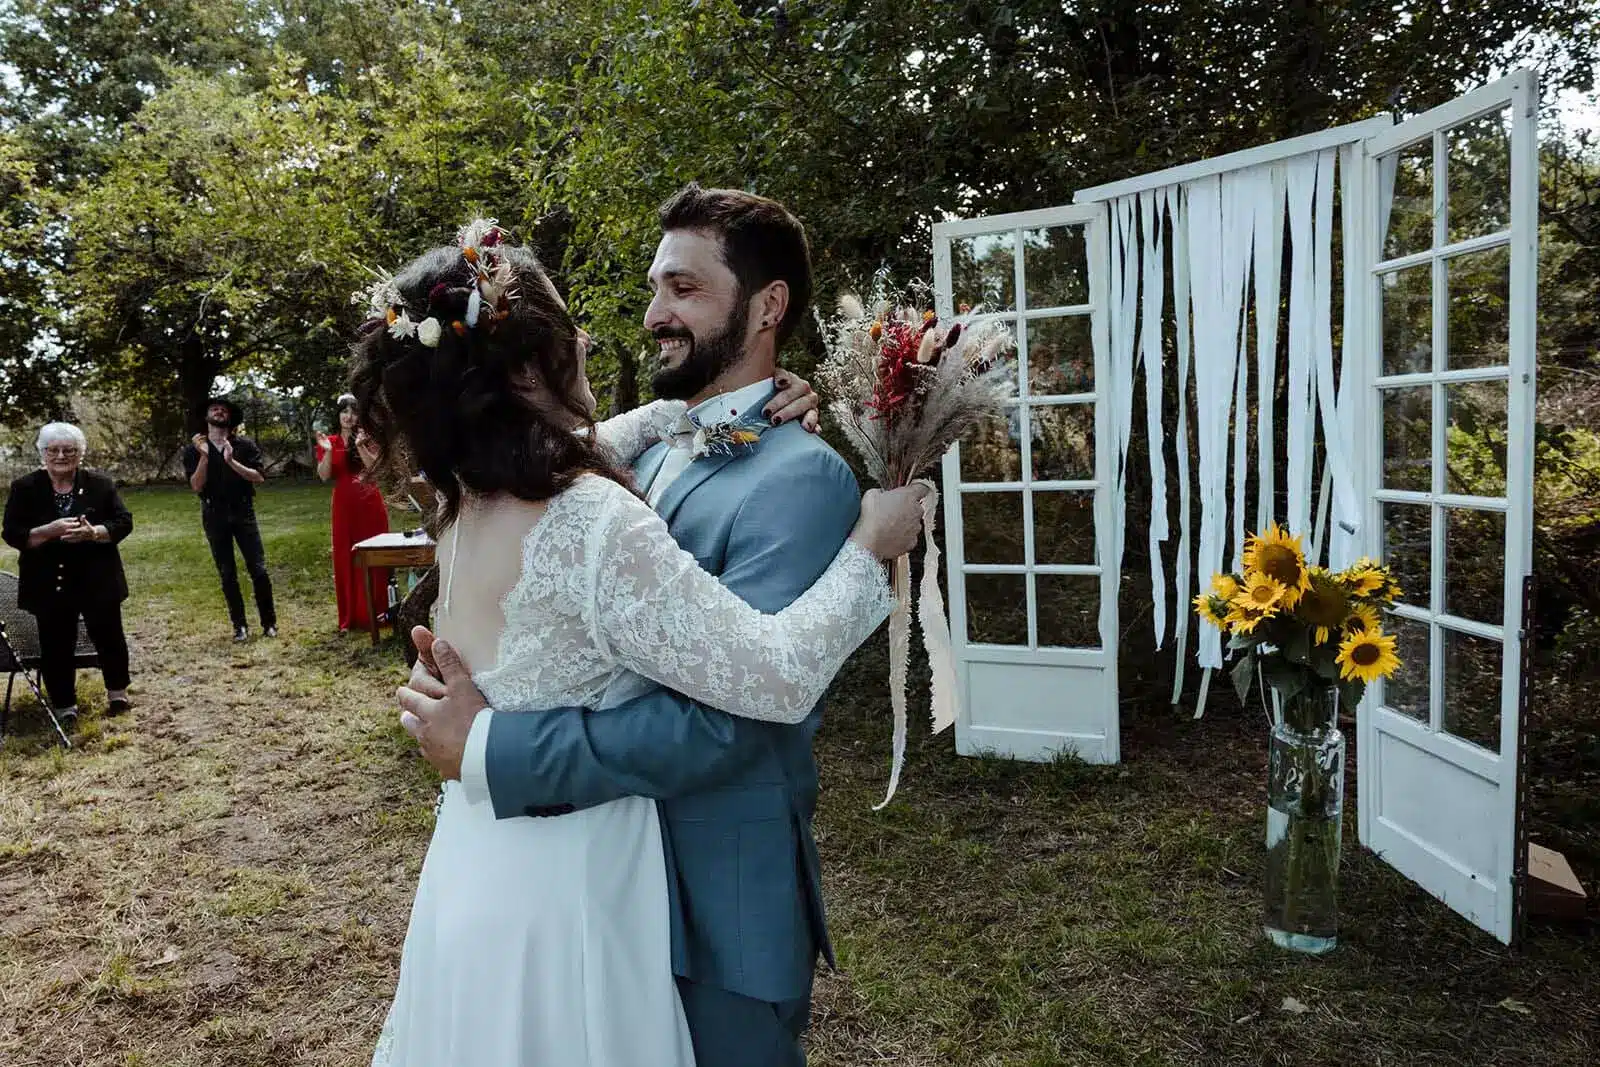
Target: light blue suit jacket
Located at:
point(737, 796)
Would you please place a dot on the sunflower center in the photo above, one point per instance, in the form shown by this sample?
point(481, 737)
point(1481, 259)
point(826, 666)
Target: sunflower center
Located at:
point(1279, 562)
point(1365, 655)
point(1262, 595)
point(1324, 605)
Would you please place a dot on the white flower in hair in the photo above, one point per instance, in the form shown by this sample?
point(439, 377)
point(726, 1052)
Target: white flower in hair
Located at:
point(379, 297)
point(429, 331)
point(472, 234)
point(498, 283)
point(474, 307)
point(402, 327)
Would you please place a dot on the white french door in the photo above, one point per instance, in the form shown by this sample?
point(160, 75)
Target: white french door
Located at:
point(1451, 244)
point(1028, 510)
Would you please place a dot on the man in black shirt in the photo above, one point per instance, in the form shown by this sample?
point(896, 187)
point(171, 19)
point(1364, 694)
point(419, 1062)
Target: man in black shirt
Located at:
point(225, 470)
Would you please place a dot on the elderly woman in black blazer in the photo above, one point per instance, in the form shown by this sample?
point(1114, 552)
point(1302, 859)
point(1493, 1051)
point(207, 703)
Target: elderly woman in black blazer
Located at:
point(67, 522)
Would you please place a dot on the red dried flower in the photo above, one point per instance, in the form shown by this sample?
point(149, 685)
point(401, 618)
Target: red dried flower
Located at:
point(897, 368)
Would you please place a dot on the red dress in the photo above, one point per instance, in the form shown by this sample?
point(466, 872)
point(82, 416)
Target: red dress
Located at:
point(358, 513)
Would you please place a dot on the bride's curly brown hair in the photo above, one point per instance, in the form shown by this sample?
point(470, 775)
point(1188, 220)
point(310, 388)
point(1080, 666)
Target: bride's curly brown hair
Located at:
point(491, 409)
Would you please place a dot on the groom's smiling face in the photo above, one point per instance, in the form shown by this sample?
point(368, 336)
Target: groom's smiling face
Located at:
point(698, 315)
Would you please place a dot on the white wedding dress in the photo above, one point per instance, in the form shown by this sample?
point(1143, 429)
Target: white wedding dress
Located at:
point(544, 942)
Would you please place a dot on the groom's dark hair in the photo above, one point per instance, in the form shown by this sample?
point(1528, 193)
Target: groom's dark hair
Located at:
point(762, 242)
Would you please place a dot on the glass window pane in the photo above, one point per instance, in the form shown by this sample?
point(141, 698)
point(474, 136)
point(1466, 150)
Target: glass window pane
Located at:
point(1069, 610)
point(982, 271)
point(991, 527)
point(1408, 550)
point(1063, 442)
point(1060, 356)
point(1470, 702)
point(992, 451)
point(1411, 212)
point(1479, 165)
point(1063, 527)
point(1475, 440)
point(1479, 329)
point(997, 609)
point(1407, 297)
point(1055, 267)
point(1408, 439)
point(1407, 691)
point(1474, 565)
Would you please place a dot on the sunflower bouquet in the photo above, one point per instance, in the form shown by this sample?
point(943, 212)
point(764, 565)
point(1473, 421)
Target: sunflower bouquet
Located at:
point(1303, 628)
point(1315, 638)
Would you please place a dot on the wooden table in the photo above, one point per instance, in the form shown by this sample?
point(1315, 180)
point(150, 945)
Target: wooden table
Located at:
point(393, 550)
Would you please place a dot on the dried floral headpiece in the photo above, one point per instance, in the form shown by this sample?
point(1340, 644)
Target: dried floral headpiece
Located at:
point(493, 288)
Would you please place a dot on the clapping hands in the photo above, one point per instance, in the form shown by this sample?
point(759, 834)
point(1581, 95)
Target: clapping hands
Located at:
point(78, 530)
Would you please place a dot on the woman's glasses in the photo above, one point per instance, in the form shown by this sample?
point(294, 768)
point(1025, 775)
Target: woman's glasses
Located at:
point(61, 453)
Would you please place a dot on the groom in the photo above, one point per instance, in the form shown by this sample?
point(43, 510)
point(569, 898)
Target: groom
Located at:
point(732, 280)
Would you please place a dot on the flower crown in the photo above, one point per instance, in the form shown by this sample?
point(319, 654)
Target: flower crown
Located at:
point(493, 289)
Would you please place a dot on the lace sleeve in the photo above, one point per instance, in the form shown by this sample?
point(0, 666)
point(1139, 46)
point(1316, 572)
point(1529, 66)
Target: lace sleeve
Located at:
point(658, 614)
point(630, 433)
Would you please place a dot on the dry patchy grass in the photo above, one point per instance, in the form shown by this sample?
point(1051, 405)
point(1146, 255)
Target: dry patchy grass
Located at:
point(223, 878)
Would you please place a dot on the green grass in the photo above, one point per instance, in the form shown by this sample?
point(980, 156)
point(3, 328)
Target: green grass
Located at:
point(224, 877)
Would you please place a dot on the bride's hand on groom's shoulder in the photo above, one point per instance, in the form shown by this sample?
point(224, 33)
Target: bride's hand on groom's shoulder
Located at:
point(795, 399)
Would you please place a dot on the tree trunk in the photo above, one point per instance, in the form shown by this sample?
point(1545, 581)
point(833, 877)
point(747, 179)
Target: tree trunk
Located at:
point(197, 371)
point(625, 393)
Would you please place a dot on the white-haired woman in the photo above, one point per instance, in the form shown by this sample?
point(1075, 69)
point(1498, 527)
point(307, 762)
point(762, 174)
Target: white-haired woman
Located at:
point(67, 522)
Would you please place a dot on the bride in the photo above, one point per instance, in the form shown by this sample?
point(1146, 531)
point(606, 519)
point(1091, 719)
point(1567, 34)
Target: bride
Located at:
point(544, 942)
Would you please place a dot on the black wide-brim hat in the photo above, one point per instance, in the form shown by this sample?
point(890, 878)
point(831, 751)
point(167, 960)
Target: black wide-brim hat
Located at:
point(235, 413)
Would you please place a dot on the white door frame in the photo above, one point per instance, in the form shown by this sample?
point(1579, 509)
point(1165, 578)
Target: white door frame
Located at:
point(1442, 810)
point(1033, 701)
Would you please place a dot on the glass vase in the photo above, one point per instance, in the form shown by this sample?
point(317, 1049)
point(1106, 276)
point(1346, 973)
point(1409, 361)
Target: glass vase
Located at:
point(1305, 808)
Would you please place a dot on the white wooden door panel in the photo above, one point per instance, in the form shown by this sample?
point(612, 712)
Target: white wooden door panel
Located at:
point(1450, 243)
point(1027, 506)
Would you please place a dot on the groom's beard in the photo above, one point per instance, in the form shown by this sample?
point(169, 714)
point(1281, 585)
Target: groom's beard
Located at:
point(706, 360)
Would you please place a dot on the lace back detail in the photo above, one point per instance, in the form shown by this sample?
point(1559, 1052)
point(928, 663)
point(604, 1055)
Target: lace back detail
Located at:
point(604, 589)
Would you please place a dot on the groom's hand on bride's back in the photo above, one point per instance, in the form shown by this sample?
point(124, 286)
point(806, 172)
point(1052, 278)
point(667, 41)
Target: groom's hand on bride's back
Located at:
point(424, 670)
point(438, 712)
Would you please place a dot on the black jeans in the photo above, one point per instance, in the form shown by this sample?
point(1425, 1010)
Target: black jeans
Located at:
point(58, 640)
point(223, 528)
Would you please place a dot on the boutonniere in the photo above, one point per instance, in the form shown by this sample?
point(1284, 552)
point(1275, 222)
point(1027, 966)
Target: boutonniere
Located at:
point(726, 438)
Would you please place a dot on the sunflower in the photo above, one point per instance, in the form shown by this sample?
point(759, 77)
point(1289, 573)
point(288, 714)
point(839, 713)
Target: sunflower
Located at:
point(1244, 619)
point(1279, 556)
point(1324, 607)
point(1260, 594)
point(1225, 586)
point(1363, 618)
point(1364, 579)
point(1368, 655)
point(1212, 609)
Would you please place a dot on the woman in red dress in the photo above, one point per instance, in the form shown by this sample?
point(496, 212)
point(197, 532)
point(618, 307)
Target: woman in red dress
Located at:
point(358, 513)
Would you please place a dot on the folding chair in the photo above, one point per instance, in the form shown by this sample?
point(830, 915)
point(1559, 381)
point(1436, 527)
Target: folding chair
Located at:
point(19, 651)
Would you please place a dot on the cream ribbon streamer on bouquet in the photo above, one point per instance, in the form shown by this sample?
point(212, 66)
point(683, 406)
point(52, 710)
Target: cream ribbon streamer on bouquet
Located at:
point(935, 638)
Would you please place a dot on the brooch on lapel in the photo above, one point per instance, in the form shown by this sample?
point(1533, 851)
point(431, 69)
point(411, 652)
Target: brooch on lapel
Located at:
point(726, 438)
